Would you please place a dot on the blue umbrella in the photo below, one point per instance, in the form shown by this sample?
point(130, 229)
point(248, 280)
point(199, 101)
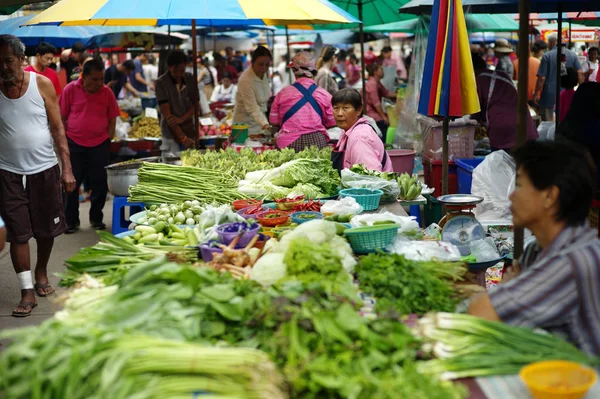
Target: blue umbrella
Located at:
point(59, 36)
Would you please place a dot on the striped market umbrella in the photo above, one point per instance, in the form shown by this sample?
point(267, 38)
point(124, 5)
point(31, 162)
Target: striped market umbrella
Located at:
point(449, 89)
point(187, 12)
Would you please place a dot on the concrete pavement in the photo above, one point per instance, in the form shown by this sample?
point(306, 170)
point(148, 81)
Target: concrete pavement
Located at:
point(65, 246)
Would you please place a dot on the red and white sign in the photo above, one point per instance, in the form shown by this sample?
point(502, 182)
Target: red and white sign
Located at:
point(577, 35)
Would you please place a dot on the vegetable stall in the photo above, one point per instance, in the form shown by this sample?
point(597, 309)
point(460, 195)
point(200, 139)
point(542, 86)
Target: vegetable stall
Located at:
point(267, 276)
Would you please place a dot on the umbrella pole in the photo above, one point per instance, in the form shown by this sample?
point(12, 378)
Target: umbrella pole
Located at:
point(169, 36)
point(214, 32)
point(522, 107)
point(558, 63)
point(362, 54)
point(195, 73)
point(445, 129)
point(287, 43)
point(570, 36)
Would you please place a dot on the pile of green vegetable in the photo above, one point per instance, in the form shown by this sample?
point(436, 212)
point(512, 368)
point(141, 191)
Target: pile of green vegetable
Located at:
point(410, 187)
point(187, 212)
point(161, 183)
point(359, 176)
point(112, 257)
point(312, 178)
point(238, 164)
point(406, 286)
point(87, 362)
point(467, 346)
point(162, 234)
point(316, 337)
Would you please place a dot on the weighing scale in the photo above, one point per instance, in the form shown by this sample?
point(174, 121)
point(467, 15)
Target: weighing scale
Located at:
point(459, 225)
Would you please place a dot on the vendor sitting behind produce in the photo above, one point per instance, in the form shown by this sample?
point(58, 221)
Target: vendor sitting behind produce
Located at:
point(253, 93)
point(177, 93)
point(224, 92)
point(302, 111)
point(558, 288)
point(359, 144)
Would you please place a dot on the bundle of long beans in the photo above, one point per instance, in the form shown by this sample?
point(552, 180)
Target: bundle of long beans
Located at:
point(161, 183)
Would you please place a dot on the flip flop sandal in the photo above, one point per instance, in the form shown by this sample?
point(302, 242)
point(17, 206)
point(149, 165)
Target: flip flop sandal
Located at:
point(37, 287)
point(24, 305)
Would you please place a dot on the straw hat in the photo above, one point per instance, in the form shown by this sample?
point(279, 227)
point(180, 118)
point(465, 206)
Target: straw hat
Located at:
point(503, 46)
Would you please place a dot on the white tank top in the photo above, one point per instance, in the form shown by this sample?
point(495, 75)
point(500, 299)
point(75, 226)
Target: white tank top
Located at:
point(26, 145)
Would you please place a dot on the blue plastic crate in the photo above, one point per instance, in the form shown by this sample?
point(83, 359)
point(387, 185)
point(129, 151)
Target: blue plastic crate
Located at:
point(464, 172)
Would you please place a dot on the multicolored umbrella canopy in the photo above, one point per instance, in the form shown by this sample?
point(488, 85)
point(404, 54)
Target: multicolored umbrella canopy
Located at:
point(475, 23)
point(183, 12)
point(449, 88)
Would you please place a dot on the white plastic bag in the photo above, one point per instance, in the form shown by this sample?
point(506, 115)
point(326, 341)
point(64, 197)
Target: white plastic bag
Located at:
point(345, 206)
point(484, 250)
point(424, 251)
point(494, 180)
point(389, 187)
point(546, 131)
point(407, 224)
point(122, 129)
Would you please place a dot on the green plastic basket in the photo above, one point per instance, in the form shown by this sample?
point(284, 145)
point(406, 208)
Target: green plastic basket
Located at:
point(367, 198)
point(367, 242)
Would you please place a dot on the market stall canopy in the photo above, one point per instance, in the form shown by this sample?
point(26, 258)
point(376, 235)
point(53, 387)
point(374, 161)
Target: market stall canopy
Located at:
point(565, 15)
point(91, 36)
point(475, 23)
point(183, 12)
point(503, 6)
point(63, 36)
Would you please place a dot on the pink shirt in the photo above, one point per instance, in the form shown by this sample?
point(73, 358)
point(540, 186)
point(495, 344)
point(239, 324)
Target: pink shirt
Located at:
point(306, 120)
point(87, 114)
point(363, 146)
point(50, 74)
point(375, 92)
point(566, 98)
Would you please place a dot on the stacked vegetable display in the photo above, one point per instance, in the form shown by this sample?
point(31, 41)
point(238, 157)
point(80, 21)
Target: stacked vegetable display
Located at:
point(160, 183)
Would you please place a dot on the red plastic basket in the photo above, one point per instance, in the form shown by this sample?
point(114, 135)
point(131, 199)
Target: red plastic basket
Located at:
point(433, 176)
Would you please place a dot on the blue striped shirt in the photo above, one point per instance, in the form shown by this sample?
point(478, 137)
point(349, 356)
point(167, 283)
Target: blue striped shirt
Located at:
point(560, 291)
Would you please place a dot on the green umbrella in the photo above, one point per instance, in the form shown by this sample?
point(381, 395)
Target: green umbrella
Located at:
point(9, 10)
point(370, 12)
point(475, 23)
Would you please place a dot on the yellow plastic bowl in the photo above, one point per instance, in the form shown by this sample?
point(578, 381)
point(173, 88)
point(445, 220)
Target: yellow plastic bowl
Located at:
point(558, 379)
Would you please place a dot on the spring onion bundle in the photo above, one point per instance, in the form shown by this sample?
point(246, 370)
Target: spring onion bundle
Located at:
point(160, 183)
point(112, 257)
point(467, 346)
point(83, 362)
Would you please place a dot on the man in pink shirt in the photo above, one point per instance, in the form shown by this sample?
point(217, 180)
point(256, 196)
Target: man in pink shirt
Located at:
point(302, 111)
point(44, 53)
point(89, 112)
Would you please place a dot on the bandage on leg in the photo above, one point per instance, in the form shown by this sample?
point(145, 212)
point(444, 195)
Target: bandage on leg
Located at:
point(25, 280)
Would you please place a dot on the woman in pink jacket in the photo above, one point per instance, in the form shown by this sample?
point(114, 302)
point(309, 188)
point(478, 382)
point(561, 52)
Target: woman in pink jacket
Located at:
point(359, 144)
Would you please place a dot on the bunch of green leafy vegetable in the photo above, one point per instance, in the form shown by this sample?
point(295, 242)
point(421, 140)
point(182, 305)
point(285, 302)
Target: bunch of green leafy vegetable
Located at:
point(405, 286)
point(112, 257)
point(314, 335)
point(362, 170)
point(238, 164)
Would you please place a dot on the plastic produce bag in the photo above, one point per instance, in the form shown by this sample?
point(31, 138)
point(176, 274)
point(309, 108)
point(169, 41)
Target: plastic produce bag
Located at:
point(389, 187)
point(494, 180)
point(546, 131)
point(122, 129)
point(424, 251)
point(408, 224)
point(484, 250)
point(345, 206)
